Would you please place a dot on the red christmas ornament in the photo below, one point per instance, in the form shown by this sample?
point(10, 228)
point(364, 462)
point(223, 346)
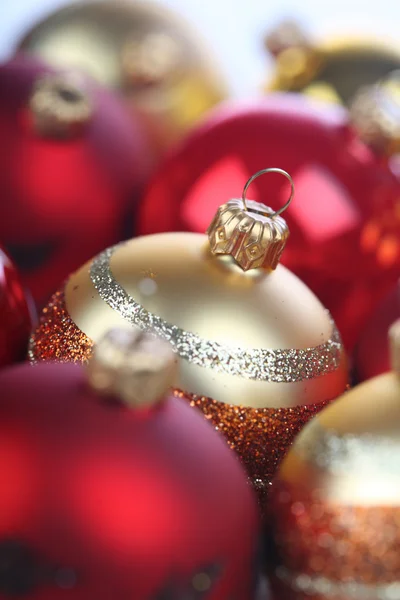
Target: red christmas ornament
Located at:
point(344, 224)
point(15, 314)
point(71, 165)
point(118, 495)
point(371, 356)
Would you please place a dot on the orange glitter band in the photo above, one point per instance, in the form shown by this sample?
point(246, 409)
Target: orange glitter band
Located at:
point(260, 436)
point(340, 543)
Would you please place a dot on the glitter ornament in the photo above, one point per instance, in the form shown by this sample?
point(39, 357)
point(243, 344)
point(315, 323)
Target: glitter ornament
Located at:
point(16, 314)
point(371, 356)
point(143, 50)
point(345, 224)
point(335, 500)
point(333, 70)
point(261, 354)
point(113, 489)
point(71, 165)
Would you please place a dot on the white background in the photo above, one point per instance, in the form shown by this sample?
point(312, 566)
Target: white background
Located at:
point(234, 28)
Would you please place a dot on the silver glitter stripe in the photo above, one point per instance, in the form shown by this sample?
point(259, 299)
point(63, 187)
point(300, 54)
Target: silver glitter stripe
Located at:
point(258, 364)
point(366, 453)
point(321, 586)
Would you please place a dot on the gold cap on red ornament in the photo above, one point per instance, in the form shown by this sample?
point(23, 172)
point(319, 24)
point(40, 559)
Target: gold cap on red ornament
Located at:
point(252, 233)
point(60, 106)
point(134, 366)
point(375, 114)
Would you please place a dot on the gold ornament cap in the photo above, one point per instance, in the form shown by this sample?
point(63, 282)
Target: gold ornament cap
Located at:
point(60, 106)
point(133, 366)
point(394, 339)
point(297, 58)
point(252, 233)
point(375, 114)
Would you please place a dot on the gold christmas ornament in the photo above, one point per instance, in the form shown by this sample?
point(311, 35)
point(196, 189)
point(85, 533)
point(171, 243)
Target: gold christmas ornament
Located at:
point(260, 355)
point(143, 50)
point(336, 497)
point(332, 70)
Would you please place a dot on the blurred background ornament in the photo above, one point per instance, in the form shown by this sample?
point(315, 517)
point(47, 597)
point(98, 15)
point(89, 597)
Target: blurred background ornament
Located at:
point(371, 355)
point(335, 500)
point(72, 163)
point(111, 488)
point(17, 314)
point(333, 70)
point(345, 223)
point(145, 51)
point(261, 354)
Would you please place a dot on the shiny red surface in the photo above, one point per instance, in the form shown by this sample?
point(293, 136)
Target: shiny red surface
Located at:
point(15, 314)
point(344, 220)
point(63, 200)
point(371, 356)
point(134, 503)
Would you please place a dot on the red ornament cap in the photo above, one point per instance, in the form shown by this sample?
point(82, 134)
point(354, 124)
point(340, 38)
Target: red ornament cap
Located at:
point(133, 366)
point(252, 233)
point(375, 114)
point(60, 106)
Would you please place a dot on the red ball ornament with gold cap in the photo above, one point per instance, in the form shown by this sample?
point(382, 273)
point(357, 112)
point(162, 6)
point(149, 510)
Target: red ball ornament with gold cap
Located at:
point(335, 500)
point(72, 162)
point(111, 488)
point(345, 224)
point(261, 354)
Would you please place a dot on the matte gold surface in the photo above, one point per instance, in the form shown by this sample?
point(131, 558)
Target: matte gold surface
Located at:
point(364, 427)
point(336, 499)
point(176, 277)
point(345, 65)
point(139, 48)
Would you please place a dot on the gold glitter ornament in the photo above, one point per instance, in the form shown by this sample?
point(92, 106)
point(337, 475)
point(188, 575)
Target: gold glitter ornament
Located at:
point(143, 50)
point(260, 353)
point(332, 70)
point(336, 498)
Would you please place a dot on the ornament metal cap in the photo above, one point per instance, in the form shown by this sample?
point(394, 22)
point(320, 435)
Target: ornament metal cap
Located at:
point(134, 366)
point(297, 59)
point(394, 338)
point(60, 106)
point(252, 233)
point(375, 114)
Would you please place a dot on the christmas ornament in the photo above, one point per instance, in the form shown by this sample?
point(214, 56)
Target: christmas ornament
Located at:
point(71, 165)
point(336, 498)
point(111, 489)
point(145, 51)
point(345, 225)
point(334, 70)
point(371, 356)
point(16, 314)
point(261, 355)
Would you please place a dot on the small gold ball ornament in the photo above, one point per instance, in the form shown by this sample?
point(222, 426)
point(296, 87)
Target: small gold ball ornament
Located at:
point(333, 70)
point(336, 498)
point(260, 353)
point(144, 51)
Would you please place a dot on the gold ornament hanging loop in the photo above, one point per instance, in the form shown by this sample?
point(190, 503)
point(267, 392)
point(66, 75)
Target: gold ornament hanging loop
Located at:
point(263, 172)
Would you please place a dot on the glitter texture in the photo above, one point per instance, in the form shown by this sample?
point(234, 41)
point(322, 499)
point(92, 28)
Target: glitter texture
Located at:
point(57, 338)
point(261, 436)
point(277, 365)
point(327, 547)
